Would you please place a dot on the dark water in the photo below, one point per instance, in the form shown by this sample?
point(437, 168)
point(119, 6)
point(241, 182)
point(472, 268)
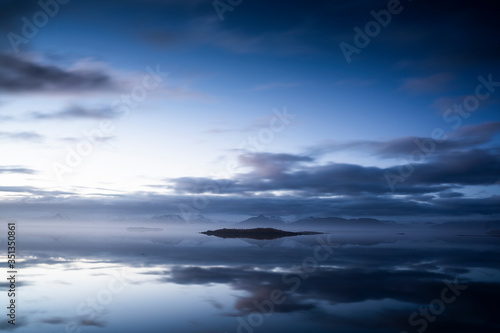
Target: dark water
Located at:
point(110, 279)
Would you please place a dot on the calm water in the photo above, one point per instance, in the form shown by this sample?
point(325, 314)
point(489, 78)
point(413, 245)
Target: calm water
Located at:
point(110, 279)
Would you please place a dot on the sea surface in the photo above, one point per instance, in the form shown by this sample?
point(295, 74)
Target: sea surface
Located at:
point(121, 278)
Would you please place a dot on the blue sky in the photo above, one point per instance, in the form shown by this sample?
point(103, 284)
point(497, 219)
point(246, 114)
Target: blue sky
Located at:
point(260, 112)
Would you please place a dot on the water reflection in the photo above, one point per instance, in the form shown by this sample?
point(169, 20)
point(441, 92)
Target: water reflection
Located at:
point(108, 279)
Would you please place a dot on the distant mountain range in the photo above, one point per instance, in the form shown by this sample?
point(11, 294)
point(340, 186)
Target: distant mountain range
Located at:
point(262, 221)
point(313, 222)
point(340, 222)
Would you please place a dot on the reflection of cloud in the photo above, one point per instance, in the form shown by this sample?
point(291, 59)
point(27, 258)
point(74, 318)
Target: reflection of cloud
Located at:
point(258, 283)
point(54, 320)
point(356, 286)
point(246, 305)
point(91, 322)
point(20, 322)
point(79, 321)
point(215, 304)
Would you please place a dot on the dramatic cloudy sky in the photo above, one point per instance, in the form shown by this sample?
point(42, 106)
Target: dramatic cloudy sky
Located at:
point(128, 107)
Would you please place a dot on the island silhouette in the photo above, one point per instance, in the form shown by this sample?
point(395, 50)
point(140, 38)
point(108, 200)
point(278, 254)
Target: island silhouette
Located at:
point(256, 233)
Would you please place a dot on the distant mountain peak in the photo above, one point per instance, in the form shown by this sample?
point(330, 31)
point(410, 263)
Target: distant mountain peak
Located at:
point(262, 220)
point(59, 216)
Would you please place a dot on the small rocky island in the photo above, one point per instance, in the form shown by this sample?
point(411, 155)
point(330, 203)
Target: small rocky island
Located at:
point(256, 233)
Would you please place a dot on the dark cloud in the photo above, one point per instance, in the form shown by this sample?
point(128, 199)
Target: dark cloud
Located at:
point(73, 140)
point(18, 75)
point(428, 186)
point(476, 167)
point(77, 112)
point(22, 136)
point(451, 194)
point(477, 134)
point(271, 165)
point(6, 285)
point(32, 190)
point(16, 169)
point(464, 138)
point(271, 173)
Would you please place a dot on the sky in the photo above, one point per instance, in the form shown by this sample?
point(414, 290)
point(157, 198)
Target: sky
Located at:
point(236, 108)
